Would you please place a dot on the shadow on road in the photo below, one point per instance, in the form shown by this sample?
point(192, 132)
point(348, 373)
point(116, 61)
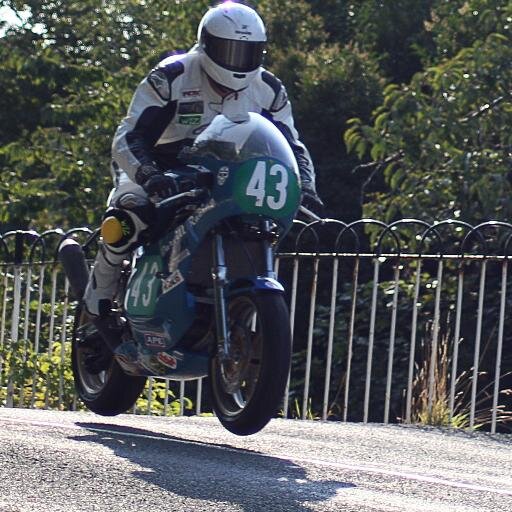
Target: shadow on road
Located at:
point(214, 472)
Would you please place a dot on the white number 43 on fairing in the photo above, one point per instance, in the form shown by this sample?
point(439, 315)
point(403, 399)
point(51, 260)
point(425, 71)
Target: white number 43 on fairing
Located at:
point(257, 186)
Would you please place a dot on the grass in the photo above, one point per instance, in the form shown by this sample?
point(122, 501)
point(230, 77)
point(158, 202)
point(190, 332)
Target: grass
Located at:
point(436, 410)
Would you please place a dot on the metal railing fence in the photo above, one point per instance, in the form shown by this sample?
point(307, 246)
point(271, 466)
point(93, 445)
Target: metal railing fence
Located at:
point(403, 322)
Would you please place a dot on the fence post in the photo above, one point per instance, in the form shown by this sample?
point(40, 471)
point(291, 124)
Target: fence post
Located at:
point(412, 348)
point(63, 342)
point(392, 338)
point(330, 342)
point(478, 340)
point(16, 309)
point(51, 332)
point(499, 349)
point(456, 339)
point(4, 314)
point(371, 339)
point(435, 338)
point(351, 329)
point(305, 398)
point(293, 305)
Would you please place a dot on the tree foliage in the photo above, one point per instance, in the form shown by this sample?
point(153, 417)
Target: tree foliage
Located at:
point(404, 105)
point(443, 141)
point(426, 86)
point(69, 72)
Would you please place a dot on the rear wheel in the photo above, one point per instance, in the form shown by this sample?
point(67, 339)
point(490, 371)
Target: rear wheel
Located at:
point(108, 392)
point(247, 392)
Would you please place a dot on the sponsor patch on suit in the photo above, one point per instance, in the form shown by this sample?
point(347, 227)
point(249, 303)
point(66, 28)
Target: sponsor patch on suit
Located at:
point(190, 119)
point(191, 107)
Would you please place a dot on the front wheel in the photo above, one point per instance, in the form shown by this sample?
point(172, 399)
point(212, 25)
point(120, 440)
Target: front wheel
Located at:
point(108, 392)
point(247, 390)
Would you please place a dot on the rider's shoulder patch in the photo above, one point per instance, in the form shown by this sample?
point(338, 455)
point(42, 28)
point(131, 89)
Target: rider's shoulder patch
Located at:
point(158, 80)
point(161, 79)
point(280, 100)
point(280, 96)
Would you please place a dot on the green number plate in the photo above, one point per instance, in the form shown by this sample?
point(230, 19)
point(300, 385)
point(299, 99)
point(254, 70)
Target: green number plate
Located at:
point(144, 287)
point(267, 187)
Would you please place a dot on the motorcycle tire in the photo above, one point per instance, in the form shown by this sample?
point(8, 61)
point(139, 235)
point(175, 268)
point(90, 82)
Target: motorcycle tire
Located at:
point(245, 396)
point(109, 392)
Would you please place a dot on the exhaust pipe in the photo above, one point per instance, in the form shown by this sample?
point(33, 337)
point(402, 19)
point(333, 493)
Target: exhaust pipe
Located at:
point(76, 269)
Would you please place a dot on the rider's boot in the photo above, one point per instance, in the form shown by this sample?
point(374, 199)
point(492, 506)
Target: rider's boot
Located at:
point(98, 296)
point(103, 282)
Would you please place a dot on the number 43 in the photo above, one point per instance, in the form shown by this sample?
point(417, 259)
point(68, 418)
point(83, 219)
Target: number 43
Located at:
point(257, 186)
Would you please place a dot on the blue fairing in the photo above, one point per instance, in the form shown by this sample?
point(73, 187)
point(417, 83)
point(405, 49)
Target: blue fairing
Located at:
point(258, 283)
point(158, 304)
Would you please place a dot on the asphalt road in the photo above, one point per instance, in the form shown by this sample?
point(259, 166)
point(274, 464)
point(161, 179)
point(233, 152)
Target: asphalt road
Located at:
point(64, 461)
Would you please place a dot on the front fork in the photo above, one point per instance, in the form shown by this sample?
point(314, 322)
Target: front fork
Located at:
point(219, 275)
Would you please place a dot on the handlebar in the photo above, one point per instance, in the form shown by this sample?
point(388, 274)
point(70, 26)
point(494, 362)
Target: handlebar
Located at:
point(196, 192)
point(309, 213)
point(177, 199)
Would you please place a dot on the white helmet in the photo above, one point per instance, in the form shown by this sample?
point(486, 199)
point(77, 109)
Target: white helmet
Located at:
point(232, 40)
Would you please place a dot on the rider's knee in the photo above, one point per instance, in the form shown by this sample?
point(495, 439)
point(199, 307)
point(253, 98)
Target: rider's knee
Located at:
point(121, 229)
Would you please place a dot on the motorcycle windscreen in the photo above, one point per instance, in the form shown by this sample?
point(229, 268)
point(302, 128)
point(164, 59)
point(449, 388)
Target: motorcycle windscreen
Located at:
point(245, 138)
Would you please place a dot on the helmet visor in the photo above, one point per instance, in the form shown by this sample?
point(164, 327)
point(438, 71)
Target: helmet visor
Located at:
point(238, 56)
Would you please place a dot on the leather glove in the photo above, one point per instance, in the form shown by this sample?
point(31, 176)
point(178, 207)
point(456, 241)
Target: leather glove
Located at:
point(159, 187)
point(197, 179)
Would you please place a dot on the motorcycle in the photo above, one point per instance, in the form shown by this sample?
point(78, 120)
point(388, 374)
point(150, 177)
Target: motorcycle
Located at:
point(201, 298)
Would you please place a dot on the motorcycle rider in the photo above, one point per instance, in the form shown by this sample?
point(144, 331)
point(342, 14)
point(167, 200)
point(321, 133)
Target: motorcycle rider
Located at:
point(170, 107)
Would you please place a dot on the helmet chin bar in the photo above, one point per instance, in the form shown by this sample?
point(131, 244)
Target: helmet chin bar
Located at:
point(221, 88)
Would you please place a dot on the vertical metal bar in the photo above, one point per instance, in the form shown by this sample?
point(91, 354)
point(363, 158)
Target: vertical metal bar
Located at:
point(38, 330)
point(412, 348)
point(2, 325)
point(16, 308)
point(52, 311)
point(26, 342)
point(371, 339)
point(63, 342)
point(51, 332)
point(150, 395)
point(499, 349)
point(330, 341)
point(39, 308)
point(199, 395)
point(166, 397)
point(4, 305)
point(456, 339)
point(478, 340)
point(435, 337)
point(15, 325)
point(392, 337)
point(355, 279)
point(312, 306)
point(182, 397)
point(293, 305)
point(28, 286)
